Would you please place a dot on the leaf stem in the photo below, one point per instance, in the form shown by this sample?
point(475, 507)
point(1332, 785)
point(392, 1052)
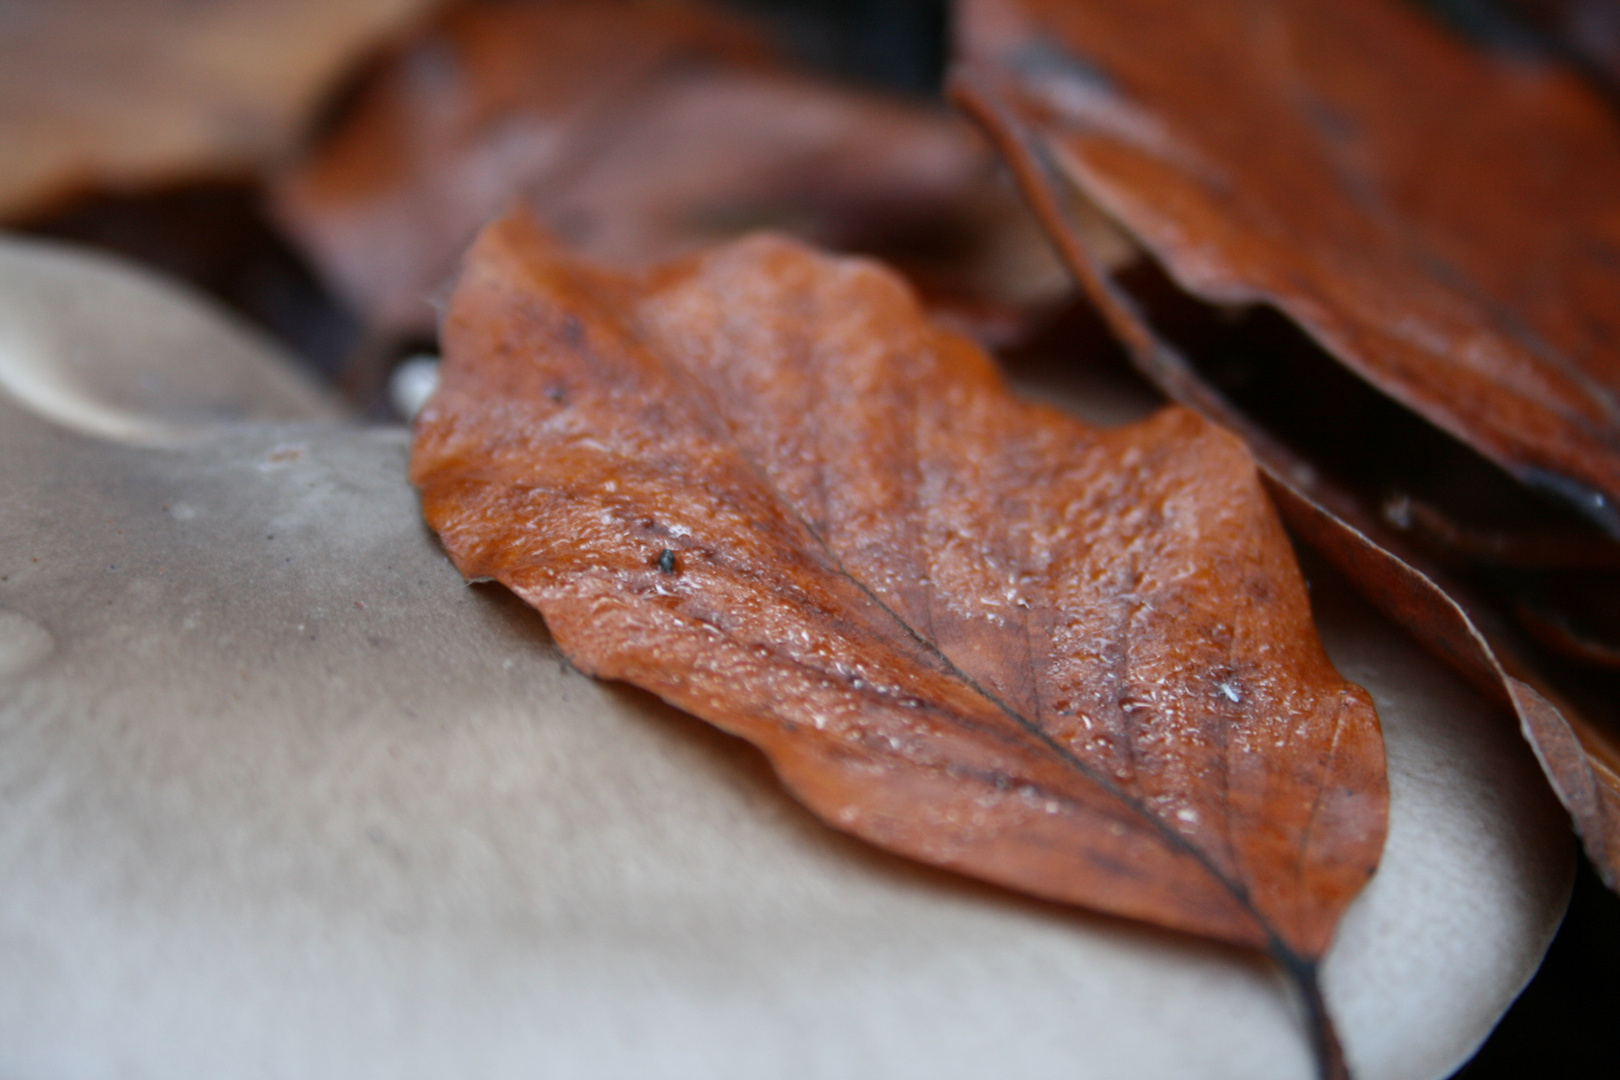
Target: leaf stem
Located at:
point(1330, 1063)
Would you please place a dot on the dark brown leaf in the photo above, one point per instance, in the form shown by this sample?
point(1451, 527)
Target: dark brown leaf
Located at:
point(758, 483)
point(1444, 224)
point(637, 131)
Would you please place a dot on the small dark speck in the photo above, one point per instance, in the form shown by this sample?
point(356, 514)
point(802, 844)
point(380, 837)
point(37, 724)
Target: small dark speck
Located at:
point(573, 332)
point(666, 561)
point(558, 395)
point(269, 536)
point(375, 835)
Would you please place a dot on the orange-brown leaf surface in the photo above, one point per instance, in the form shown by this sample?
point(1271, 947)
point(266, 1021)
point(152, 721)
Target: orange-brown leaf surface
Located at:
point(972, 630)
point(1445, 224)
point(1444, 221)
point(129, 93)
point(637, 131)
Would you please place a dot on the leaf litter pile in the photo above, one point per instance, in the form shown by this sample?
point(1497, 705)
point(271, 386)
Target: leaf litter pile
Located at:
point(1374, 258)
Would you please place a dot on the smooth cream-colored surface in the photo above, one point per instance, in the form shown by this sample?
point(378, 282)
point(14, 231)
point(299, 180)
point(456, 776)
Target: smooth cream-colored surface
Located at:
point(280, 796)
point(105, 348)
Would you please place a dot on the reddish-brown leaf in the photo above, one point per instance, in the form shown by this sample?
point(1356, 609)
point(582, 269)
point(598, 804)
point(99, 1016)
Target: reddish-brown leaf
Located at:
point(1444, 223)
point(758, 483)
point(637, 131)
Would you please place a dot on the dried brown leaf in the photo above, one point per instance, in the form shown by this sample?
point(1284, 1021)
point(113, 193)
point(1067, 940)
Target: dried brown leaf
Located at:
point(637, 131)
point(968, 629)
point(1443, 223)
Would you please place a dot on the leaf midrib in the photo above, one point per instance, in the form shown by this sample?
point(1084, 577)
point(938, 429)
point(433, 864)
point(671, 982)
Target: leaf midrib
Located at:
point(1167, 835)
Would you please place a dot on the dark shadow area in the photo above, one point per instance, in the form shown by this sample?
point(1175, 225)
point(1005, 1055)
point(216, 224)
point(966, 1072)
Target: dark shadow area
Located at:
point(1497, 25)
point(1362, 440)
point(899, 44)
point(1583, 35)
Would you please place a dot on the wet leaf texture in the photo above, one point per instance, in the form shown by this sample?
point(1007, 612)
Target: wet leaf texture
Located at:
point(1441, 221)
point(758, 483)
